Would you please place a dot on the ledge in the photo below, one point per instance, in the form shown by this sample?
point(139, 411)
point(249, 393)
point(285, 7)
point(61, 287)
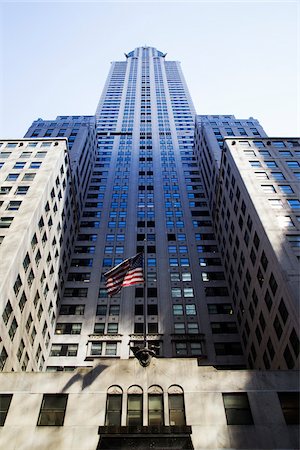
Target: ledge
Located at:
point(162, 429)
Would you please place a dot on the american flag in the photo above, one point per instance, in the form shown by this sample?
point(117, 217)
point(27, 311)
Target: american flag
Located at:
point(127, 273)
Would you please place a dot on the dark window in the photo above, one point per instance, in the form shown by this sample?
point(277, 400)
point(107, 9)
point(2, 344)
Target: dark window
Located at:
point(220, 308)
point(268, 300)
point(152, 327)
point(271, 348)
point(294, 341)
point(264, 261)
point(113, 410)
point(53, 410)
point(135, 409)
point(277, 327)
point(155, 409)
point(3, 358)
point(5, 400)
point(289, 402)
point(256, 240)
point(138, 328)
point(176, 409)
point(101, 310)
point(151, 309)
point(228, 348)
point(273, 284)
point(283, 311)
point(288, 358)
point(139, 310)
point(237, 409)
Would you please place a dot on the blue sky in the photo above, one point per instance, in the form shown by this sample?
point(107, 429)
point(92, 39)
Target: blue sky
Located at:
point(238, 57)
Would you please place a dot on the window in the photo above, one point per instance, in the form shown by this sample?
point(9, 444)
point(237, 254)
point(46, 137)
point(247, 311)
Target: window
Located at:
point(220, 308)
point(255, 163)
point(179, 328)
point(237, 409)
point(264, 261)
point(178, 310)
point(289, 402)
point(3, 358)
point(184, 262)
point(12, 330)
point(155, 409)
point(99, 328)
point(113, 408)
point(270, 164)
point(176, 409)
point(188, 292)
point(278, 144)
point(294, 240)
point(53, 410)
point(28, 176)
point(293, 164)
point(12, 177)
point(268, 189)
point(96, 349)
point(35, 165)
point(286, 189)
point(111, 349)
point(68, 328)
point(114, 310)
point(176, 292)
point(283, 311)
point(175, 276)
point(5, 155)
point(192, 328)
point(223, 327)
point(112, 328)
point(101, 310)
point(273, 284)
point(5, 400)
point(228, 348)
point(276, 203)
point(7, 312)
point(278, 328)
point(22, 190)
point(278, 175)
point(294, 204)
point(135, 409)
point(13, 205)
point(190, 310)
point(5, 222)
point(22, 301)
point(186, 276)
point(64, 350)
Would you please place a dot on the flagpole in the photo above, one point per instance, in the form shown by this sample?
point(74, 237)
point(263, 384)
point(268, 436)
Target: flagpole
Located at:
point(145, 292)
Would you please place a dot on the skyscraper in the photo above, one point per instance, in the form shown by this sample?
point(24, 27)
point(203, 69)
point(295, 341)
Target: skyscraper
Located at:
point(143, 178)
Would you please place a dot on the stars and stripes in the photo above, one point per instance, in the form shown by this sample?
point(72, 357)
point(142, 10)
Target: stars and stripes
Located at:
point(127, 273)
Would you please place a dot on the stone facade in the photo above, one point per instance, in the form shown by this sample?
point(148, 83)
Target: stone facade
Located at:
point(203, 388)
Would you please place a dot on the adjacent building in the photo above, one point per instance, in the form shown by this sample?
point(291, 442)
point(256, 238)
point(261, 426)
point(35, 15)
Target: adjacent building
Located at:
point(257, 227)
point(36, 227)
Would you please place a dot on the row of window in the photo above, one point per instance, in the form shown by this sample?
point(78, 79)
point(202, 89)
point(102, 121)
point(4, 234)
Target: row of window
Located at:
point(236, 405)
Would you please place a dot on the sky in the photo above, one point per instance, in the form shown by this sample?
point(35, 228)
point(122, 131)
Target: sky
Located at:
point(238, 57)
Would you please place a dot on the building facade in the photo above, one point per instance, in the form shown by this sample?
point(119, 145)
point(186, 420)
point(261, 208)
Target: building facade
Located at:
point(121, 405)
point(196, 195)
point(257, 227)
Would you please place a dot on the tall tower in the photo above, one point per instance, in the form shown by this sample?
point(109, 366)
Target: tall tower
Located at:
point(145, 186)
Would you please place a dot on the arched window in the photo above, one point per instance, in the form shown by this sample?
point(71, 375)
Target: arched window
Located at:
point(135, 406)
point(155, 406)
point(176, 405)
point(114, 406)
